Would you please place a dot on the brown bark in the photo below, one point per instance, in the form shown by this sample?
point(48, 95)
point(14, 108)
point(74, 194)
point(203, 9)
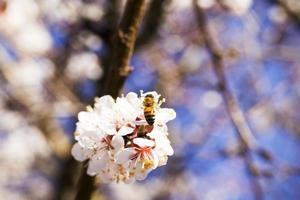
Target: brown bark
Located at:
point(118, 71)
point(124, 42)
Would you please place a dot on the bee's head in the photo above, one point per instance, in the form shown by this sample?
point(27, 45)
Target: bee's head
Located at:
point(148, 100)
point(149, 96)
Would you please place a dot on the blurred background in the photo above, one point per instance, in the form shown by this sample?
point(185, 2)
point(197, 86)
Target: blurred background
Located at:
point(53, 54)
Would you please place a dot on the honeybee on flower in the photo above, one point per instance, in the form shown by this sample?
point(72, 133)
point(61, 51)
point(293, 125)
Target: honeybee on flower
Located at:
point(150, 104)
point(117, 139)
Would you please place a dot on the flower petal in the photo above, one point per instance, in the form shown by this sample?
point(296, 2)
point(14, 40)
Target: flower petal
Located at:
point(104, 177)
point(165, 114)
point(125, 130)
point(129, 180)
point(127, 111)
point(85, 116)
point(163, 145)
point(79, 153)
point(89, 139)
point(141, 172)
point(88, 121)
point(105, 101)
point(155, 159)
point(163, 159)
point(124, 156)
point(141, 175)
point(133, 99)
point(142, 142)
point(166, 149)
point(96, 165)
point(108, 128)
point(117, 142)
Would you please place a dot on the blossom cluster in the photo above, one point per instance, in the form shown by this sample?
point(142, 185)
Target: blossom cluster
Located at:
point(117, 141)
point(24, 150)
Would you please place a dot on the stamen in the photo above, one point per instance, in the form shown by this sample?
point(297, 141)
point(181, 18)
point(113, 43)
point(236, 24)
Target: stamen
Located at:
point(89, 108)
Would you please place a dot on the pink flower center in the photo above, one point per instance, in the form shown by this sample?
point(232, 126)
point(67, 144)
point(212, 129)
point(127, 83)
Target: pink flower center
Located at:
point(141, 152)
point(107, 143)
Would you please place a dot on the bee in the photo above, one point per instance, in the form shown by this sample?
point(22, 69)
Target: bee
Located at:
point(149, 108)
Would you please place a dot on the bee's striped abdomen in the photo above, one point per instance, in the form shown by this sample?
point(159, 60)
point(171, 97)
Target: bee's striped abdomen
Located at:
point(150, 119)
point(149, 111)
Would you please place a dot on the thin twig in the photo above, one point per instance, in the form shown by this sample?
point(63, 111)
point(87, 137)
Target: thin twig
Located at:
point(236, 115)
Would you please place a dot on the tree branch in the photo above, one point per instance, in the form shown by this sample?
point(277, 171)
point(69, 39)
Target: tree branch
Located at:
point(119, 70)
point(233, 109)
point(86, 184)
point(291, 13)
point(154, 17)
point(236, 115)
point(124, 42)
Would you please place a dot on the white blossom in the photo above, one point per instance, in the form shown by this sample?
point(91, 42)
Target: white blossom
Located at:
point(83, 65)
point(238, 7)
point(36, 35)
point(20, 146)
point(118, 142)
point(206, 3)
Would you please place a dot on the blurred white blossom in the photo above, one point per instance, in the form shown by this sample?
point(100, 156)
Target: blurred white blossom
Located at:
point(20, 74)
point(238, 7)
point(173, 44)
point(294, 5)
point(92, 11)
point(33, 38)
point(20, 148)
point(206, 3)
point(83, 65)
point(17, 14)
point(192, 58)
point(21, 25)
point(117, 140)
point(178, 5)
point(277, 14)
point(211, 99)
